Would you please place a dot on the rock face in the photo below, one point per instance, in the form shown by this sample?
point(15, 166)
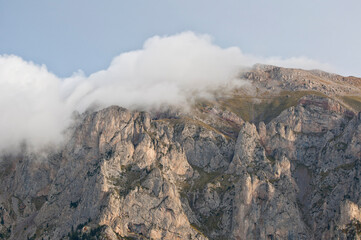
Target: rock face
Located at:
point(129, 175)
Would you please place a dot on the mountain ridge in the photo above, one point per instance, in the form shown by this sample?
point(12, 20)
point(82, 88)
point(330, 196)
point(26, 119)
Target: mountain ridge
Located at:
point(278, 158)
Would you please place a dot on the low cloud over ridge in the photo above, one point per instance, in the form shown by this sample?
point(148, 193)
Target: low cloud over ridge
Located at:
point(36, 104)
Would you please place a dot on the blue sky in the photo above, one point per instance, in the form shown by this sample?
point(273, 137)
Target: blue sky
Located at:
point(87, 34)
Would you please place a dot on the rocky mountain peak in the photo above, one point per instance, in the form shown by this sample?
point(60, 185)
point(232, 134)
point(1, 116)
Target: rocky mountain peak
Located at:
point(278, 159)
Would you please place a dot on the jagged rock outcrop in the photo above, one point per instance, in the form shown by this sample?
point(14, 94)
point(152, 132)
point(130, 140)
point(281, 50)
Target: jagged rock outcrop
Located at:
point(201, 174)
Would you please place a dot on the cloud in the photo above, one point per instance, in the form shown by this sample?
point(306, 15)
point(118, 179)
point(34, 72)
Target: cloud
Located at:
point(30, 102)
point(164, 71)
point(36, 105)
point(297, 62)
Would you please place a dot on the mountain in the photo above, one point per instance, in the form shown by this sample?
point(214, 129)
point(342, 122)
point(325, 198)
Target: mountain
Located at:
point(278, 158)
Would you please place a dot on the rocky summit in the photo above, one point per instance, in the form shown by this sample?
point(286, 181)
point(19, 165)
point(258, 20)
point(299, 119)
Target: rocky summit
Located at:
point(278, 158)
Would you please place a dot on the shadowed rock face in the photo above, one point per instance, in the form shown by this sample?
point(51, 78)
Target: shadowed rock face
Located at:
point(126, 175)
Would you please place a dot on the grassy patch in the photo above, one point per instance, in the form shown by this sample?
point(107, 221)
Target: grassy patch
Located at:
point(324, 175)
point(271, 159)
point(204, 178)
point(352, 229)
point(5, 233)
point(212, 222)
point(74, 204)
point(198, 123)
point(273, 180)
point(325, 190)
point(39, 201)
point(6, 167)
point(264, 108)
point(353, 101)
point(209, 224)
point(347, 166)
point(93, 234)
point(319, 203)
point(341, 146)
point(221, 184)
point(127, 181)
point(197, 229)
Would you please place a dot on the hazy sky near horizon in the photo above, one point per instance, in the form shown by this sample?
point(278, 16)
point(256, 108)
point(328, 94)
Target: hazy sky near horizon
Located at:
point(86, 35)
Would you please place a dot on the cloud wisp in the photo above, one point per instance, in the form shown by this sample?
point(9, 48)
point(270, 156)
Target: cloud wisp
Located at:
point(37, 105)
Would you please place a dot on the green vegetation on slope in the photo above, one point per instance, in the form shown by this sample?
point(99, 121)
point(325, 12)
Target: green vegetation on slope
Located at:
point(212, 222)
point(353, 101)
point(93, 234)
point(263, 108)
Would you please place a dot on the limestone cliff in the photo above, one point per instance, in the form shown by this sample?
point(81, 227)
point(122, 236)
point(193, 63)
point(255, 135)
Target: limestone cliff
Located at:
point(279, 160)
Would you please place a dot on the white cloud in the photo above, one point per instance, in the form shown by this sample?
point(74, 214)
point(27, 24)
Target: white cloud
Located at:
point(162, 72)
point(30, 103)
point(297, 62)
point(36, 105)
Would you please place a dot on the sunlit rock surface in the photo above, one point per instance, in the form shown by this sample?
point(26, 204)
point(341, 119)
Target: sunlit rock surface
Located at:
point(284, 165)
